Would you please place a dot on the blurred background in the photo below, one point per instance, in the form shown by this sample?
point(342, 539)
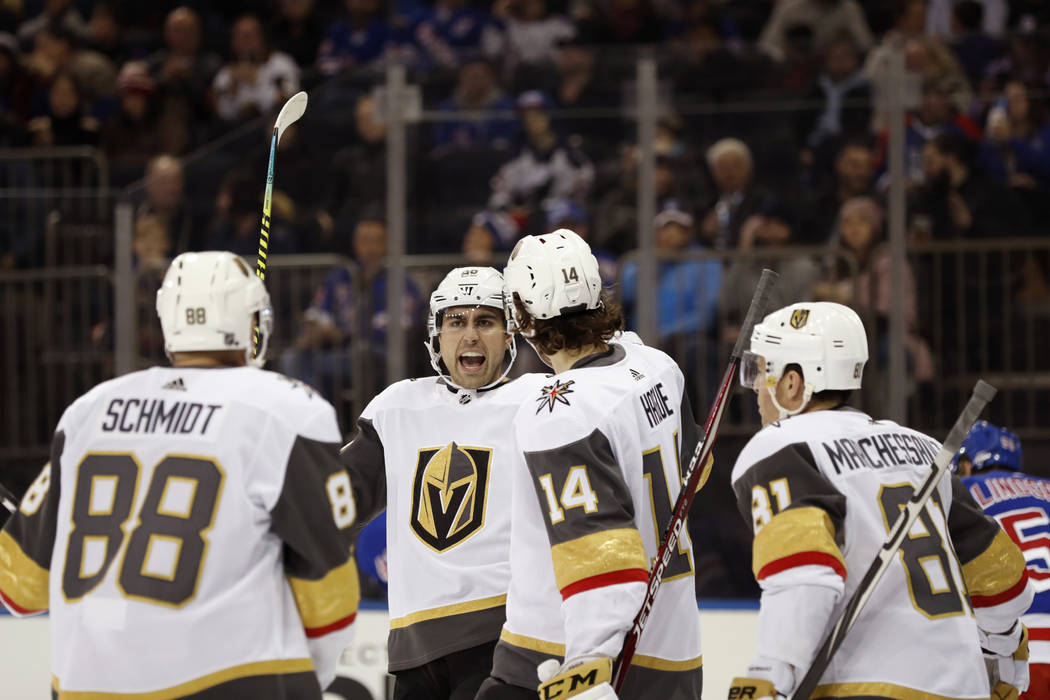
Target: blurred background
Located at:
point(891, 155)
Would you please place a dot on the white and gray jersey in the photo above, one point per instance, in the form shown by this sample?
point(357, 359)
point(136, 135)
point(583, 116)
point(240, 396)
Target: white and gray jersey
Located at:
point(602, 444)
point(440, 462)
point(189, 509)
point(821, 491)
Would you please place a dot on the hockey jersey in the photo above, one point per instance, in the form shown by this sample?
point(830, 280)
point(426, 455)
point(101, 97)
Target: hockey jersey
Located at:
point(440, 462)
point(821, 491)
point(602, 444)
point(191, 533)
point(1021, 505)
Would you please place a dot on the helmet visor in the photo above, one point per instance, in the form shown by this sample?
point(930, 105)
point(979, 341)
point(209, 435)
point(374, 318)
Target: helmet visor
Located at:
point(752, 365)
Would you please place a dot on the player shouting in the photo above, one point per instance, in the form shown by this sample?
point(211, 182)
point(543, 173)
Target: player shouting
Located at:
point(437, 453)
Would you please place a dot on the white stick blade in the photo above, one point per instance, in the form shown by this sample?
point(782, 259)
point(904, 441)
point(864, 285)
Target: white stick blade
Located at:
point(290, 113)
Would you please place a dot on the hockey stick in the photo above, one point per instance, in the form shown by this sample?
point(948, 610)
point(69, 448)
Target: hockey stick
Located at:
point(693, 475)
point(289, 114)
point(983, 392)
point(8, 500)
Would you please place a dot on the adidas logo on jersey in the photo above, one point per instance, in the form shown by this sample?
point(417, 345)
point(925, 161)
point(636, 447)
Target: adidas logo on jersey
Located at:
point(176, 384)
point(638, 376)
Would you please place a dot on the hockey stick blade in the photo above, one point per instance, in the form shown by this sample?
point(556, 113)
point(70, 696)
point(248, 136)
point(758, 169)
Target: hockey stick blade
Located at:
point(983, 392)
point(693, 475)
point(291, 112)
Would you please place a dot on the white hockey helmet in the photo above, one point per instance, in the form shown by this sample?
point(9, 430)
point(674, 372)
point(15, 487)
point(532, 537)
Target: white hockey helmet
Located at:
point(208, 301)
point(826, 340)
point(466, 286)
point(553, 274)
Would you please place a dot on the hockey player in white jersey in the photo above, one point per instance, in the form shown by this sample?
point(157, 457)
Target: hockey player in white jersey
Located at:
point(190, 536)
point(602, 441)
point(821, 484)
point(437, 453)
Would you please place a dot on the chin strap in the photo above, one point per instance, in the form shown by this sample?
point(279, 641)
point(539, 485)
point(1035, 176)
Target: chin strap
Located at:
point(782, 412)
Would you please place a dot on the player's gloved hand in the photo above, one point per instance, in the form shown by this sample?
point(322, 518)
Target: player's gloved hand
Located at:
point(1006, 656)
point(752, 689)
point(580, 678)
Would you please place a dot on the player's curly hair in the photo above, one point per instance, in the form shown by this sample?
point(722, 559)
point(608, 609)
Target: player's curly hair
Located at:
point(571, 331)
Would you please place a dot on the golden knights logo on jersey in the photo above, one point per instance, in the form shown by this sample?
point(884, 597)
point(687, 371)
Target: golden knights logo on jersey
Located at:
point(448, 494)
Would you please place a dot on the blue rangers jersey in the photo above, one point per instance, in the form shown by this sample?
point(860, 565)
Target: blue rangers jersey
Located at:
point(1021, 505)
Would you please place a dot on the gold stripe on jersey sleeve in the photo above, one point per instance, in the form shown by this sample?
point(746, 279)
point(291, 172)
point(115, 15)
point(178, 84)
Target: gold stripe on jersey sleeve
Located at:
point(795, 531)
point(329, 599)
point(448, 610)
point(658, 664)
point(22, 580)
point(598, 553)
point(882, 690)
point(996, 569)
point(259, 668)
point(520, 640)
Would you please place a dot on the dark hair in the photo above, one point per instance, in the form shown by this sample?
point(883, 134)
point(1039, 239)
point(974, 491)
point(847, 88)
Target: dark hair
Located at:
point(839, 397)
point(572, 331)
point(954, 146)
point(969, 13)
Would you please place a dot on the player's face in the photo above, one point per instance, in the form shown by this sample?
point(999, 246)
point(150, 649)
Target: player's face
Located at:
point(766, 409)
point(473, 341)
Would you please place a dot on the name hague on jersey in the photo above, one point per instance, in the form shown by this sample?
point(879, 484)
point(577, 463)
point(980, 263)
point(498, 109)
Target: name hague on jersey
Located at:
point(880, 451)
point(134, 415)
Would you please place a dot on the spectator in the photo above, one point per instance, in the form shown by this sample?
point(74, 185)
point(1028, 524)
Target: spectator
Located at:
point(166, 202)
point(56, 13)
point(238, 209)
point(453, 31)
point(825, 18)
point(359, 40)
point(936, 115)
point(256, 79)
point(955, 201)
point(15, 83)
point(348, 310)
point(616, 218)
point(479, 243)
point(104, 33)
point(1027, 60)
point(54, 52)
point(1016, 148)
point(622, 22)
point(546, 167)
point(476, 91)
point(987, 16)
point(300, 189)
point(566, 213)
point(151, 244)
point(854, 176)
point(579, 84)
point(686, 295)
point(976, 49)
point(297, 31)
point(137, 132)
point(65, 124)
point(845, 97)
point(772, 229)
point(533, 33)
point(738, 195)
point(357, 175)
point(182, 71)
point(860, 235)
